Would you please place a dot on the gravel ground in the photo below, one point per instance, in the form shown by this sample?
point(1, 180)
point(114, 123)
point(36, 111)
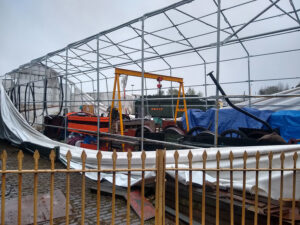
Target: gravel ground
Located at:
point(60, 183)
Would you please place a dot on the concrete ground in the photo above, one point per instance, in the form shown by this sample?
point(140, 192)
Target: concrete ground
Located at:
point(60, 184)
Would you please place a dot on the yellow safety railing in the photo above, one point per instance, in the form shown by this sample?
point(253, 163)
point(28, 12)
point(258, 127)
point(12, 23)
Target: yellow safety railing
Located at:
point(200, 206)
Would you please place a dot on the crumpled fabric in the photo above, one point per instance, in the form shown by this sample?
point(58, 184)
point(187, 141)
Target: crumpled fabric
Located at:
point(14, 128)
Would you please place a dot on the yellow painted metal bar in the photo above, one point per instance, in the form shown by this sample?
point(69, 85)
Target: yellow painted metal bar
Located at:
point(157, 188)
point(270, 156)
point(129, 156)
point(4, 158)
point(143, 157)
point(83, 160)
point(218, 156)
point(146, 169)
point(120, 110)
point(177, 104)
point(99, 157)
point(185, 109)
point(295, 157)
point(204, 157)
point(119, 71)
point(52, 159)
point(282, 157)
point(3, 198)
point(20, 165)
point(159, 193)
point(164, 188)
point(68, 156)
point(113, 100)
point(147, 75)
point(245, 156)
point(256, 189)
point(231, 190)
point(36, 157)
point(190, 157)
point(113, 205)
point(176, 156)
point(160, 168)
point(87, 170)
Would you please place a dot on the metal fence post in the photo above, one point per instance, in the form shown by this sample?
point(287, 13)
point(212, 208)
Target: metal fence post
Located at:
point(142, 86)
point(160, 187)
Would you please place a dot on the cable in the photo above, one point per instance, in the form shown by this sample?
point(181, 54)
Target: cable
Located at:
point(19, 97)
point(10, 94)
point(45, 107)
point(25, 102)
point(31, 88)
point(13, 97)
point(235, 107)
point(61, 103)
point(33, 102)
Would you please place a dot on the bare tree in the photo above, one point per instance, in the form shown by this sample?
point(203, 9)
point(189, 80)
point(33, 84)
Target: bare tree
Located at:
point(273, 89)
point(173, 91)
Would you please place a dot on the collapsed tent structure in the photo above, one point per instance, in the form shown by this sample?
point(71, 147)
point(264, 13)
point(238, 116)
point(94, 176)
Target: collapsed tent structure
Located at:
point(284, 100)
point(183, 40)
point(15, 129)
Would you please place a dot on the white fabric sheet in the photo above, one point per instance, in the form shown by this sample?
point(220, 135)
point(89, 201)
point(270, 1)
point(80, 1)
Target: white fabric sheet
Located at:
point(276, 104)
point(15, 129)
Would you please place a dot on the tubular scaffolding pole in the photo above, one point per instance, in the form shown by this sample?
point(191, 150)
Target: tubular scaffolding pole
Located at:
point(217, 71)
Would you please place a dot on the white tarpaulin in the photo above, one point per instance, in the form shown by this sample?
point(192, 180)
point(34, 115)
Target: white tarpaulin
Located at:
point(276, 103)
point(15, 129)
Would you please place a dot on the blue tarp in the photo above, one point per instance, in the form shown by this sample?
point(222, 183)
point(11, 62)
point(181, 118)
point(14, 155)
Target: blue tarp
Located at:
point(228, 118)
point(288, 121)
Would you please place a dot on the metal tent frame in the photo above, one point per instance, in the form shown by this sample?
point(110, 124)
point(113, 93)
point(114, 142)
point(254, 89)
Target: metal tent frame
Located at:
point(158, 42)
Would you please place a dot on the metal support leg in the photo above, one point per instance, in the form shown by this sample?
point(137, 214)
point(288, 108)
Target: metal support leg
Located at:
point(217, 71)
point(98, 90)
point(66, 95)
point(142, 90)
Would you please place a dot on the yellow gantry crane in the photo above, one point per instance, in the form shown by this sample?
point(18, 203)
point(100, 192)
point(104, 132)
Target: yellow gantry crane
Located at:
point(119, 72)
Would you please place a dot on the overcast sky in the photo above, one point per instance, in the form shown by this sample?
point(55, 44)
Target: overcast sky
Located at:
point(32, 28)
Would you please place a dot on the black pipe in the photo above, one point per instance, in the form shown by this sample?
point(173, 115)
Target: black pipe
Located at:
point(11, 94)
point(45, 107)
point(235, 107)
point(25, 102)
point(30, 88)
point(61, 96)
point(33, 103)
point(15, 98)
point(19, 98)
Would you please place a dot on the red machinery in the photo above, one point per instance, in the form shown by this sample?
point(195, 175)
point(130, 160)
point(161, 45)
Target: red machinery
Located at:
point(83, 122)
point(86, 124)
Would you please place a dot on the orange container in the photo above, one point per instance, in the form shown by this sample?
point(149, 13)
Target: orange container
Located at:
point(87, 122)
